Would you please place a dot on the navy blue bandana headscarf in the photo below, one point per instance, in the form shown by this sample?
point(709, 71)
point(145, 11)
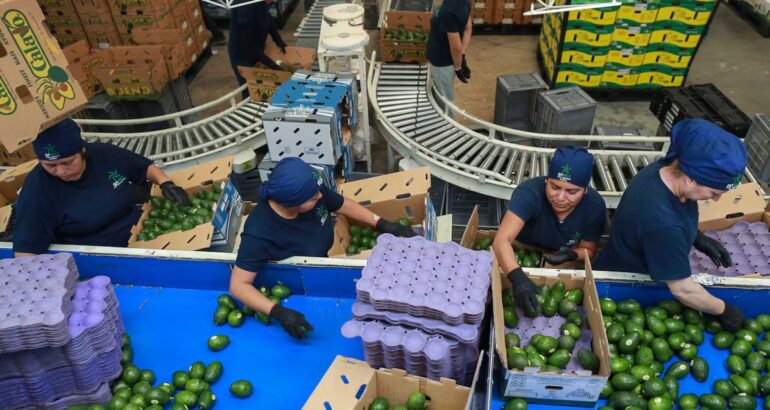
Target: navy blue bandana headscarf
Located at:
point(708, 154)
point(291, 183)
point(60, 141)
point(572, 164)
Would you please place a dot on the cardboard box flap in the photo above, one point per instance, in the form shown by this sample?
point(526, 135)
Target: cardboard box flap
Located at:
point(5, 217)
point(599, 342)
point(342, 386)
point(408, 19)
point(13, 178)
point(469, 235)
point(745, 200)
point(398, 186)
point(200, 175)
point(296, 58)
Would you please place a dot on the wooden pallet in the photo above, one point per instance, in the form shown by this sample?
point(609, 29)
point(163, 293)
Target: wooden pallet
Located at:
point(506, 29)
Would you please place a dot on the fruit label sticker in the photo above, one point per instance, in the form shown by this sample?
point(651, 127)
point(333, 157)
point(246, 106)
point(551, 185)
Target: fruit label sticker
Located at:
point(7, 103)
point(52, 82)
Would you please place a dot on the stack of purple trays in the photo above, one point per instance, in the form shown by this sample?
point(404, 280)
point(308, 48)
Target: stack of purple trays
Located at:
point(50, 374)
point(419, 307)
point(749, 247)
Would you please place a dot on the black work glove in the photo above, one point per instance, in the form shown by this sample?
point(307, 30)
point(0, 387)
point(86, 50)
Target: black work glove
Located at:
point(466, 71)
point(175, 194)
point(275, 66)
point(524, 292)
point(385, 226)
point(283, 48)
point(461, 75)
point(732, 318)
point(564, 254)
point(293, 322)
point(713, 249)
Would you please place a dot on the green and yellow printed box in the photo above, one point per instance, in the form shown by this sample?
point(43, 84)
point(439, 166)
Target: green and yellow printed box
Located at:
point(604, 16)
point(686, 11)
point(625, 54)
point(619, 76)
point(660, 77)
point(587, 33)
point(638, 11)
point(669, 55)
point(583, 77)
point(676, 33)
point(636, 34)
point(583, 55)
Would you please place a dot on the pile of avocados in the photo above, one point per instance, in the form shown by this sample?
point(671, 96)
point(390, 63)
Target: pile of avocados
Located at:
point(415, 401)
point(168, 216)
point(545, 352)
point(401, 34)
point(228, 311)
point(643, 340)
point(525, 258)
point(363, 238)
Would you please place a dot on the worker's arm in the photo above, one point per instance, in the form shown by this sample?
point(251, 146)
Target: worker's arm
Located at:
point(694, 295)
point(456, 49)
point(585, 247)
point(355, 211)
point(502, 245)
point(467, 34)
point(242, 287)
point(167, 186)
point(156, 175)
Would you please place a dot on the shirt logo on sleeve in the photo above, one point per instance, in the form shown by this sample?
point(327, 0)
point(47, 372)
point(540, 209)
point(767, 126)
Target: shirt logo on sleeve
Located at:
point(565, 174)
point(735, 183)
point(322, 213)
point(50, 153)
point(115, 178)
point(574, 239)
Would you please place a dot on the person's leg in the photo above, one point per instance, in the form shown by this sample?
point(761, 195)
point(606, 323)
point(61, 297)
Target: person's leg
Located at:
point(241, 80)
point(443, 78)
point(217, 36)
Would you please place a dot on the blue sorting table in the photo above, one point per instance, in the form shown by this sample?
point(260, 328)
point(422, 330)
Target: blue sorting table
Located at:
point(167, 300)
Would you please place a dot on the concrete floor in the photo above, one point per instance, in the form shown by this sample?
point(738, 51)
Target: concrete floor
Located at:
point(733, 56)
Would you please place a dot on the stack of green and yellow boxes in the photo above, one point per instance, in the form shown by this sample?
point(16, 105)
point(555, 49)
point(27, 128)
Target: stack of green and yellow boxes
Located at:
point(639, 44)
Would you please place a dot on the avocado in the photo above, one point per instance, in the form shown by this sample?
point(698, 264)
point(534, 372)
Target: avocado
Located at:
point(629, 342)
point(629, 306)
point(755, 361)
point(218, 342)
point(536, 360)
point(235, 318)
point(656, 326)
point(241, 388)
point(608, 306)
point(571, 329)
point(138, 401)
point(187, 398)
point(678, 369)
point(764, 320)
point(688, 352)
point(653, 387)
point(644, 356)
point(713, 402)
point(512, 340)
point(672, 307)
point(157, 396)
point(578, 319)
point(661, 350)
point(694, 334)
point(196, 386)
point(510, 318)
point(180, 378)
point(380, 403)
point(196, 370)
point(141, 387)
point(723, 340)
point(699, 368)
point(588, 360)
point(741, 384)
point(660, 403)
point(416, 401)
point(624, 382)
point(281, 291)
point(688, 401)
point(723, 388)
point(673, 325)
point(764, 384)
point(743, 402)
point(672, 384)
point(575, 296)
point(206, 400)
point(517, 361)
point(515, 404)
point(642, 373)
point(508, 298)
point(131, 374)
point(614, 332)
point(622, 400)
point(753, 377)
point(566, 342)
point(607, 390)
point(213, 372)
point(735, 364)
point(619, 365)
point(127, 355)
point(546, 345)
point(124, 392)
point(566, 307)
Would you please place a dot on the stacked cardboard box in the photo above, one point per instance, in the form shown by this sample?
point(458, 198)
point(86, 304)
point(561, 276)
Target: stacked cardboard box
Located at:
point(640, 44)
point(98, 23)
point(263, 81)
point(63, 21)
point(403, 36)
point(133, 72)
point(83, 61)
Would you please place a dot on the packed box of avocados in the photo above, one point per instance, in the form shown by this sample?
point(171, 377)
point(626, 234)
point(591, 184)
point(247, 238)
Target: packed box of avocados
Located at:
point(398, 197)
point(263, 81)
point(527, 256)
point(167, 225)
point(351, 384)
point(37, 88)
point(580, 387)
point(404, 36)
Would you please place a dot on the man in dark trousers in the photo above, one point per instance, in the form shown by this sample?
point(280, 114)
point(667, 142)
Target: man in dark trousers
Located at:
point(450, 34)
point(249, 28)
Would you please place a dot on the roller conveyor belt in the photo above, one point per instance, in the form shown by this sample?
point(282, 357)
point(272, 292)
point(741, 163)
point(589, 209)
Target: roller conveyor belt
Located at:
point(238, 125)
point(414, 126)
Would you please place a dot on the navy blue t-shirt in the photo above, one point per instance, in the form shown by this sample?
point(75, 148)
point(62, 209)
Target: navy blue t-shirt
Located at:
point(652, 232)
point(542, 227)
point(450, 17)
point(98, 209)
point(268, 236)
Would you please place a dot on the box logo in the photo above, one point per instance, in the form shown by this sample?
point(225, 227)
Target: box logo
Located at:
point(53, 82)
point(7, 103)
point(735, 183)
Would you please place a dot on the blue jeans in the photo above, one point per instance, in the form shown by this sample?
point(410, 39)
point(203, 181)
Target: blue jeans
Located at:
point(444, 78)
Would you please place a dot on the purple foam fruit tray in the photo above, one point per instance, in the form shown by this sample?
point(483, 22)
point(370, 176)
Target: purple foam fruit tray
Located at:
point(749, 248)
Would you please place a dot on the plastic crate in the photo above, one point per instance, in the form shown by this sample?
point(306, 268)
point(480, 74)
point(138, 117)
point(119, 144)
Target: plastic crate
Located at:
point(515, 99)
point(247, 184)
point(758, 147)
point(735, 120)
point(460, 203)
point(564, 111)
point(102, 108)
point(438, 195)
point(624, 131)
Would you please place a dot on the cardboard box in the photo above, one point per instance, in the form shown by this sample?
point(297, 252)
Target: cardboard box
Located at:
point(326, 172)
point(149, 8)
point(351, 384)
point(393, 196)
point(404, 51)
point(12, 179)
point(550, 388)
point(263, 82)
point(192, 180)
point(227, 217)
point(103, 36)
point(91, 6)
point(178, 48)
point(745, 203)
point(36, 87)
point(83, 61)
point(133, 72)
point(18, 157)
point(128, 23)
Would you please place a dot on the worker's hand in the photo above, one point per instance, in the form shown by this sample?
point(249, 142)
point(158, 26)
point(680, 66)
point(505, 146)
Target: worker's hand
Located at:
point(732, 318)
point(524, 292)
point(275, 66)
point(293, 322)
point(385, 226)
point(563, 255)
point(465, 69)
point(713, 249)
point(175, 194)
point(283, 48)
point(460, 75)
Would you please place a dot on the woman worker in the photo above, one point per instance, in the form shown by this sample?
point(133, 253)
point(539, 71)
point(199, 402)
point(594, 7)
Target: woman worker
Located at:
point(293, 219)
point(656, 223)
point(559, 212)
point(82, 193)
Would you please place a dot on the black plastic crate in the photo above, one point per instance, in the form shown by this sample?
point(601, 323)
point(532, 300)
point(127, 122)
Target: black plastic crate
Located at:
point(735, 120)
point(247, 184)
point(758, 148)
point(460, 203)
